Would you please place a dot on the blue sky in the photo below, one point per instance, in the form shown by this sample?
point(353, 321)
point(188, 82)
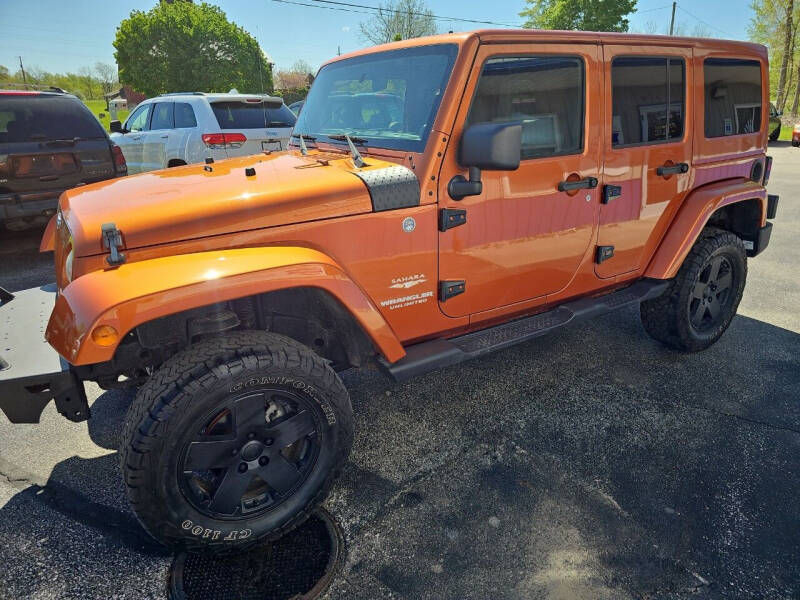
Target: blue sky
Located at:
point(59, 35)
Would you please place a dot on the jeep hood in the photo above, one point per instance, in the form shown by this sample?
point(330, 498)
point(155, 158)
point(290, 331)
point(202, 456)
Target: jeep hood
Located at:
point(203, 200)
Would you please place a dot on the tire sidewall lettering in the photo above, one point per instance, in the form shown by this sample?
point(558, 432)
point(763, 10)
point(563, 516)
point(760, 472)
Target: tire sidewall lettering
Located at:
point(290, 382)
point(206, 533)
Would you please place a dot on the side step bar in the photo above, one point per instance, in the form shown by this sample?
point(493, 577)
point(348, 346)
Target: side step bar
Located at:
point(435, 354)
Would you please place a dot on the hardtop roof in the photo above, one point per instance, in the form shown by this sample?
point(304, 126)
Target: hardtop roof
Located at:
point(511, 36)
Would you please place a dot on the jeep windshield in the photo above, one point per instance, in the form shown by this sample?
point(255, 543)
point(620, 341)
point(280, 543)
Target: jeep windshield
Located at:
point(389, 99)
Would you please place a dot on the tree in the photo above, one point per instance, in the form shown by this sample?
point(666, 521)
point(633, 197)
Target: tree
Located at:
point(181, 46)
point(774, 24)
point(300, 76)
point(788, 35)
point(583, 15)
point(107, 74)
point(4, 74)
point(88, 82)
point(399, 20)
point(302, 66)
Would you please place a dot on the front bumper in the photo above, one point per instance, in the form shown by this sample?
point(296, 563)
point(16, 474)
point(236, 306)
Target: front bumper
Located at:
point(31, 372)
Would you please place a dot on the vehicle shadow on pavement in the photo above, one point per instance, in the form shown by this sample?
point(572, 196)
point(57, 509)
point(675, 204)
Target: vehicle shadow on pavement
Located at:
point(590, 463)
point(81, 540)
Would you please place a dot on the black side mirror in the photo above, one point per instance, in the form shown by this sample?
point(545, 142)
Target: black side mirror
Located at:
point(115, 127)
point(486, 146)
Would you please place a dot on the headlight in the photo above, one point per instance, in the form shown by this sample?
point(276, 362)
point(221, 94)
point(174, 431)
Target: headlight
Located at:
point(68, 261)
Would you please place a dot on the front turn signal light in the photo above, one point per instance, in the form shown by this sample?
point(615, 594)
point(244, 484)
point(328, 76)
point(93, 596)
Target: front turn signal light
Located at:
point(105, 335)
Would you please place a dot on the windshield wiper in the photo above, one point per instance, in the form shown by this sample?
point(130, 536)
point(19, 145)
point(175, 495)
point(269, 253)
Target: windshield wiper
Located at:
point(357, 160)
point(343, 137)
point(64, 142)
point(303, 137)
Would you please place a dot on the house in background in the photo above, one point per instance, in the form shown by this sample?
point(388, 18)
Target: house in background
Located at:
point(124, 97)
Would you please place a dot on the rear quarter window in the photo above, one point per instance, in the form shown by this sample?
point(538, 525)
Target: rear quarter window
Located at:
point(184, 115)
point(241, 115)
point(732, 96)
point(32, 118)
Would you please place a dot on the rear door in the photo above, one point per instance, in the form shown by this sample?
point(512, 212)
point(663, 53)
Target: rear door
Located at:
point(647, 152)
point(523, 238)
point(185, 142)
point(264, 124)
point(157, 139)
point(49, 142)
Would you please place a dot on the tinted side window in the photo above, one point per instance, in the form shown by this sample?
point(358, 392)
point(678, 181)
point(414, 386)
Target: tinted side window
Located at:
point(732, 96)
point(138, 120)
point(647, 98)
point(545, 93)
point(184, 115)
point(162, 116)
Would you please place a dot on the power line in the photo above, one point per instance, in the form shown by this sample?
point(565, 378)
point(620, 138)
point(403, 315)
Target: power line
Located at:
point(419, 14)
point(363, 12)
point(639, 12)
point(703, 22)
point(372, 10)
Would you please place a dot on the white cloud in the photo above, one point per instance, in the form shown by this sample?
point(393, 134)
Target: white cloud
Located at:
point(346, 28)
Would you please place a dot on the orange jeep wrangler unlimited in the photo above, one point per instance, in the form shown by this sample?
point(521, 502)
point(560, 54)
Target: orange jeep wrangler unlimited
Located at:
point(442, 198)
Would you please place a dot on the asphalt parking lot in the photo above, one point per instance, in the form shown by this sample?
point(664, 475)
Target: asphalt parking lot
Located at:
point(592, 463)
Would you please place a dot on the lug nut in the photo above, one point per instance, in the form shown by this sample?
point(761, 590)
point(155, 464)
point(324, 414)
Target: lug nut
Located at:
point(234, 452)
point(250, 436)
point(243, 468)
point(263, 460)
point(269, 441)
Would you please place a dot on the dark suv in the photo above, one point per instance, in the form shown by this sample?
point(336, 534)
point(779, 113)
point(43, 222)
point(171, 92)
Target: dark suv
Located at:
point(49, 142)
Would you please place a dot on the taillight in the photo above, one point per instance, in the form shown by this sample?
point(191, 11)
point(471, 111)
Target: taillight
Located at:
point(220, 141)
point(119, 159)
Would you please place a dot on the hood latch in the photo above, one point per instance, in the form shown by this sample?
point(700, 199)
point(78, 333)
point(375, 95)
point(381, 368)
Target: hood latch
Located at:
point(112, 240)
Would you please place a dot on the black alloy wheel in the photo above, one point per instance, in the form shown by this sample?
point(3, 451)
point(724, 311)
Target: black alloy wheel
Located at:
point(250, 456)
point(711, 294)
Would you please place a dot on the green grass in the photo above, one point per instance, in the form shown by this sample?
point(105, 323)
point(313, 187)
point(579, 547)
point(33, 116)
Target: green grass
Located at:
point(786, 133)
point(98, 107)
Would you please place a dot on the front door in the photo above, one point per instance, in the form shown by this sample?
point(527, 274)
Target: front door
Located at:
point(523, 238)
point(132, 142)
point(647, 152)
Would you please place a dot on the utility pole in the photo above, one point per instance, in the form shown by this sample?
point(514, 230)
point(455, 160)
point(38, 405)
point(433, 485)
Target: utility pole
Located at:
point(338, 50)
point(672, 20)
point(22, 68)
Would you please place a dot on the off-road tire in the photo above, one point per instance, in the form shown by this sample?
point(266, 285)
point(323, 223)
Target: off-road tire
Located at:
point(191, 382)
point(667, 319)
point(775, 134)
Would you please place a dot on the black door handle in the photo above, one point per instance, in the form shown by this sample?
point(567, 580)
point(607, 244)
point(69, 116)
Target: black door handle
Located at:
point(568, 186)
point(672, 169)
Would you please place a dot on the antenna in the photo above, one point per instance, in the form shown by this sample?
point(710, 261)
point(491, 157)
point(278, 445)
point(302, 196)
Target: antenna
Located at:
point(260, 74)
point(303, 147)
